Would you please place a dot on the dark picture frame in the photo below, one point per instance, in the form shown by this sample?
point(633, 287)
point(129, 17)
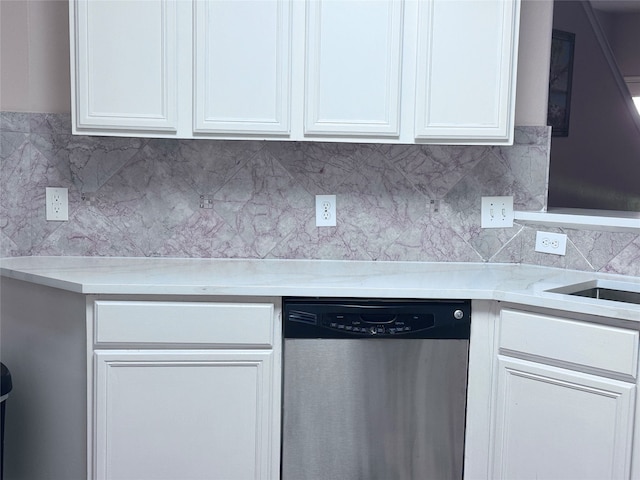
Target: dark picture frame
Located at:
point(560, 79)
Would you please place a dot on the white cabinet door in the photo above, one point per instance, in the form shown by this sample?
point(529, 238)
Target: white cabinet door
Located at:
point(242, 66)
point(553, 423)
point(353, 67)
point(467, 51)
point(385, 71)
point(124, 65)
point(184, 414)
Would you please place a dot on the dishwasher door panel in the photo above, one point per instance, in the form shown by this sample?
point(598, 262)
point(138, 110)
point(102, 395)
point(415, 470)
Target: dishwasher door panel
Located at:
point(374, 409)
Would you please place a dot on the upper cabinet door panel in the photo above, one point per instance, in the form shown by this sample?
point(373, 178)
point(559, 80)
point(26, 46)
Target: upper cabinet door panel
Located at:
point(353, 67)
point(242, 66)
point(125, 65)
point(467, 53)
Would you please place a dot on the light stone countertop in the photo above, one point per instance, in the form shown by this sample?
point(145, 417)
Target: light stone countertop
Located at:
point(523, 284)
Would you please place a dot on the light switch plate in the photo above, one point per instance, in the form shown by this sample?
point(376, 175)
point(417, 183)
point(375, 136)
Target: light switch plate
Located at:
point(496, 212)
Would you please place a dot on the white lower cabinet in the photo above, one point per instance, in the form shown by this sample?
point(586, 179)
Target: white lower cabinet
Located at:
point(550, 397)
point(206, 406)
point(169, 415)
point(554, 423)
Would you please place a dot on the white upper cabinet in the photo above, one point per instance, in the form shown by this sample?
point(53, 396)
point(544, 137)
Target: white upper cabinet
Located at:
point(387, 71)
point(353, 67)
point(242, 66)
point(125, 66)
point(465, 89)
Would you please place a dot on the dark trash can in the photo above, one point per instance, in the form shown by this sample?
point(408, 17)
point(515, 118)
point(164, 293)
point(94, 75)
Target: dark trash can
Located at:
point(5, 388)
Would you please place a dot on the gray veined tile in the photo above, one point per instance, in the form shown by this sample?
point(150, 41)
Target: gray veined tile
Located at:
point(15, 122)
point(144, 197)
point(318, 166)
point(511, 251)
point(434, 169)
point(50, 123)
point(206, 164)
point(263, 203)
point(45, 174)
point(600, 247)
point(21, 197)
point(10, 142)
point(375, 205)
point(431, 239)
point(88, 233)
point(489, 242)
point(573, 259)
point(228, 244)
point(8, 248)
point(55, 151)
point(462, 204)
point(627, 261)
point(88, 161)
point(531, 135)
point(465, 221)
point(205, 235)
point(529, 165)
point(318, 243)
point(15, 185)
point(15, 159)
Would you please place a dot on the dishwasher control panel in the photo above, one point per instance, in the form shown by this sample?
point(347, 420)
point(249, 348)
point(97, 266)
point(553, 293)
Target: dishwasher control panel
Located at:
point(358, 318)
point(378, 324)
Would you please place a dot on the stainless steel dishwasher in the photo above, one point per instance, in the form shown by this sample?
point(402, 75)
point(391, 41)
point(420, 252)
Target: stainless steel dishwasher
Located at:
point(374, 389)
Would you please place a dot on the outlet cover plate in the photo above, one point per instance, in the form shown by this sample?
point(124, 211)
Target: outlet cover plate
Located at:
point(325, 210)
point(555, 243)
point(496, 212)
point(57, 204)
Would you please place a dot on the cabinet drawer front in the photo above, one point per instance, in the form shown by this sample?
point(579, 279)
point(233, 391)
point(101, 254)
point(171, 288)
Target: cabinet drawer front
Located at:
point(184, 323)
point(570, 342)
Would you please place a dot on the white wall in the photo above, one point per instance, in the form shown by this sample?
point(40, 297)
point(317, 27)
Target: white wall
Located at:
point(34, 62)
point(536, 19)
point(34, 56)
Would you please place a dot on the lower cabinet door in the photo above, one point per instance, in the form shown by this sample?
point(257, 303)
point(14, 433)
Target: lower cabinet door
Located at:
point(553, 423)
point(185, 415)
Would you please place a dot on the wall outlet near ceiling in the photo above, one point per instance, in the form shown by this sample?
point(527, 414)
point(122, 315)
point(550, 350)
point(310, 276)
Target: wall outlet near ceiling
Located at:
point(555, 243)
point(325, 210)
point(496, 212)
point(57, 200)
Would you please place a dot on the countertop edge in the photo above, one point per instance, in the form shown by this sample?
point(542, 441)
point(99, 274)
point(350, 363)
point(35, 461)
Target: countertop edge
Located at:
point(512, 283)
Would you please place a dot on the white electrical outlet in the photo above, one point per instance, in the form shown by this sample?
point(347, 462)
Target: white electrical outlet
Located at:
point(57, 200)
point(555, 243)
point(496, 212)
point(325, 210)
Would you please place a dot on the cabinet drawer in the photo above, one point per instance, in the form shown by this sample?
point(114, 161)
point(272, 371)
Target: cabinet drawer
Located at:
point(184, 323)
point(570, 342)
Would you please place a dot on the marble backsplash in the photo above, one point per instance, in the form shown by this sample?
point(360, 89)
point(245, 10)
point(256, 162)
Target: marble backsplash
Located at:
point(143, 197)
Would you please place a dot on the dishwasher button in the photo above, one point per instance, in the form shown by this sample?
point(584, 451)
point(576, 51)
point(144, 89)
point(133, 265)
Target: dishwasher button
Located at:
point(373, 331)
